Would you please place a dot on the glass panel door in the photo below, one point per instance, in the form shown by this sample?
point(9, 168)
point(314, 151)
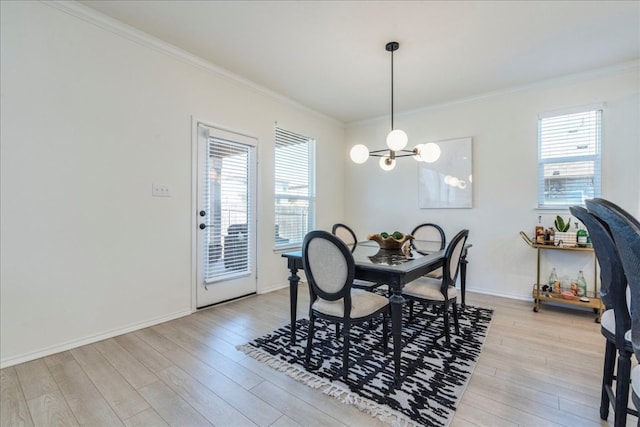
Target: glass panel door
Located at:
point(226, 216)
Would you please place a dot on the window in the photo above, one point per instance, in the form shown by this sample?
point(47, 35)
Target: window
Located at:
point(295, 198)
point(569, 151)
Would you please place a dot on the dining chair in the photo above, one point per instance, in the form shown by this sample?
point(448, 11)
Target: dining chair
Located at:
point(329, 267)
point(429, 232)
point(625, 230)
point(440, 292)
point(612, 206)
point(346, 234)
point(635, 340)
point(615, 322)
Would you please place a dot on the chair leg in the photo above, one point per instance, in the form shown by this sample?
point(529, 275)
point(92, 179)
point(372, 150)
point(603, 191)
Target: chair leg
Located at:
point(345, 351)
point(445, 316)
point(307, 356)
point(607, 377)
point(410, 310)
point(622, 388)
point(385, 333)
point(455, 318)
point(337, 331)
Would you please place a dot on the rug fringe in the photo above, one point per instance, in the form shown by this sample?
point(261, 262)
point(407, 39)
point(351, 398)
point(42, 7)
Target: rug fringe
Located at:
point(337, 391)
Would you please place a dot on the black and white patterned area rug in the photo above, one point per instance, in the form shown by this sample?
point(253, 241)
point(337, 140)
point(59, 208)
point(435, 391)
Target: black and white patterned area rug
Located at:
point(434, 375)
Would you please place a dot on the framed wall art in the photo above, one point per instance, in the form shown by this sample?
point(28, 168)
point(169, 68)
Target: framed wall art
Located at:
point(445, 174)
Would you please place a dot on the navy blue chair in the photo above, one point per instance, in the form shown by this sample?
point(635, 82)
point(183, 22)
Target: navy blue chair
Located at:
point(625, 229)
point(615, 321)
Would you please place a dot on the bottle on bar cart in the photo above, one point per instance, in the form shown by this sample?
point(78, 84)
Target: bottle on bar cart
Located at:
point(582, 285)
point(582, 236)
point(554, 283)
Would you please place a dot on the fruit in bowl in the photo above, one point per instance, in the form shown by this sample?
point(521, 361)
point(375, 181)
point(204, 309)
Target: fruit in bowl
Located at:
point(394, 240)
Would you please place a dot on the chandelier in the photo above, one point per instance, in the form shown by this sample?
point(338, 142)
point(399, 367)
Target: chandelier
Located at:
point(396, 139)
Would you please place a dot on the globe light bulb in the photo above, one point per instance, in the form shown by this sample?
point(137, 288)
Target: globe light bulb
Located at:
point(418, 150)
point(387, 164)
point(359, 154)
point(430, 152)
point(397, 140)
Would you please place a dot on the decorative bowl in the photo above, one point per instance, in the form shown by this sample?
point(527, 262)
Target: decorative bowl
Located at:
point(568, 295)
point(390, 242)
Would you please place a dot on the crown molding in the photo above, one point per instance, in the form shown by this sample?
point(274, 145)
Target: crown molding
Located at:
point(542, 84)
point(114, 26)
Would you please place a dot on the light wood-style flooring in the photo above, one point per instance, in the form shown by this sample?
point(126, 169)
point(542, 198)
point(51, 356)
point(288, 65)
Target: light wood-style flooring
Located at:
point(536, 369)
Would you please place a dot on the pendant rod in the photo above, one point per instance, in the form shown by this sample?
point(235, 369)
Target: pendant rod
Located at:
point(392, 47)
point(392, 90)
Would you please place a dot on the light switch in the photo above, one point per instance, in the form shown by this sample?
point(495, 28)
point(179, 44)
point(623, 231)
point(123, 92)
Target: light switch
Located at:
point(159, 190)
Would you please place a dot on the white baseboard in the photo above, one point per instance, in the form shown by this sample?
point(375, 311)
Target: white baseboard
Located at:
point(276, 287)
point(5, 363)
point(525, 297)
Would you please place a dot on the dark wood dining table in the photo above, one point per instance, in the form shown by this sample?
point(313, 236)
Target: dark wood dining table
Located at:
point(395, 268)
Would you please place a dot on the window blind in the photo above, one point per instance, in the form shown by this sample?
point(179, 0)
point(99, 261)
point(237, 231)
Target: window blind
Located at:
point(294, 188)
point(569, 153)
point(229, 203)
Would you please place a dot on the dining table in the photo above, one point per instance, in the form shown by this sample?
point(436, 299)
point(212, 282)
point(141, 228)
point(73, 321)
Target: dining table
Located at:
point(392, 267)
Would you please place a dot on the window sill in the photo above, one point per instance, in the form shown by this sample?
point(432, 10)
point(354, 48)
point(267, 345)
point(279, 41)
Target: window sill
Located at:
point(551, 209)
point(283, 249)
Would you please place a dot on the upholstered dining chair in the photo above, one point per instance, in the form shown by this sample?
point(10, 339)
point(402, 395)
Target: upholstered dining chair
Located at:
point(612, 206)
point(635, 340)
point(329, 267)
point(615, 321)
point(347, 235)
point(440, 292)
point(433, 233)
point(625, 230)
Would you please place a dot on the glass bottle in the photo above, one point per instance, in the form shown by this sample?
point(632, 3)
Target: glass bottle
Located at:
point(552, 236)
point(539, 231)
point(582, 237)
point(582, 285)
point(554, 283)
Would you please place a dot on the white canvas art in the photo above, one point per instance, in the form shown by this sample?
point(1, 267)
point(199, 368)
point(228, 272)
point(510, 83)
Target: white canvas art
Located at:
point(445, 174)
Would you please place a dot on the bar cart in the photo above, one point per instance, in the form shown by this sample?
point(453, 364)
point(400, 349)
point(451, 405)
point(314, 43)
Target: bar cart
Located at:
point(539, 296)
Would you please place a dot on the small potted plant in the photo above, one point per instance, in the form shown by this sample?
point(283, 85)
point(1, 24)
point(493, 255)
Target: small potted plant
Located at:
point(563, 236)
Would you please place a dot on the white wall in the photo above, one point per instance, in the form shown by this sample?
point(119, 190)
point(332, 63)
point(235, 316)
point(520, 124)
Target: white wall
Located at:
point(90, 119)
point(504, 131)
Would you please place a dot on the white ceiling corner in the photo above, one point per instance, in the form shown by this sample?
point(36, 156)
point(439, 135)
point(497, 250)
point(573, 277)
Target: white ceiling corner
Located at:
point(330, 55)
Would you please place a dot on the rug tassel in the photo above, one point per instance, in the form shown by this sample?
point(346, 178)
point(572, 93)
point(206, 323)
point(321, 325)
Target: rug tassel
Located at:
point(344, 395)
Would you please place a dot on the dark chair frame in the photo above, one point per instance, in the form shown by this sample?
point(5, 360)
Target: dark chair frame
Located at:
point(436, 274)
point(443, 239)
point(448, 279)
point(357, 283)
point(344, 293)
point(613, 291)
point(335, 228)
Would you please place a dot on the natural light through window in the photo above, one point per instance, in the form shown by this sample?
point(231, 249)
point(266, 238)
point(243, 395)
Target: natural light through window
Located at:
point(294, 188)
point(569, 152)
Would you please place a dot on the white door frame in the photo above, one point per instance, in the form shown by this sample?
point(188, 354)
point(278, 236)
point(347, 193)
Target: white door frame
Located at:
point(196, 220)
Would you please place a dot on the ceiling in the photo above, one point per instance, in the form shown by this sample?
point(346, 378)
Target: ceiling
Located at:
point(330, 55)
